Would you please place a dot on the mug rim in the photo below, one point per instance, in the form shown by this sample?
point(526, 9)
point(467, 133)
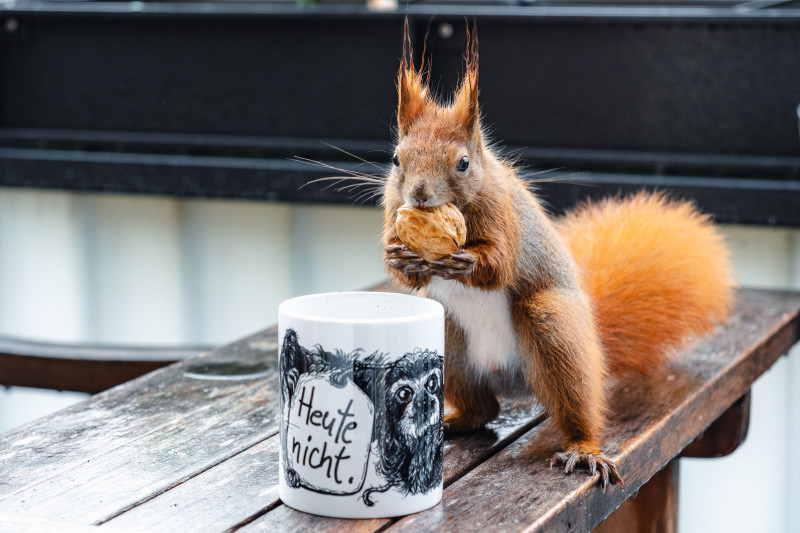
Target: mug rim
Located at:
point(428, 308)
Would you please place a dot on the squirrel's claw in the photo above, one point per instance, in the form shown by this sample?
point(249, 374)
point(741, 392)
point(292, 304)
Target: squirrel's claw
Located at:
point(608, 468)
point(400, 251)
point(461, 258)
point(394, 248)
point(455, 266)
point(399, 257)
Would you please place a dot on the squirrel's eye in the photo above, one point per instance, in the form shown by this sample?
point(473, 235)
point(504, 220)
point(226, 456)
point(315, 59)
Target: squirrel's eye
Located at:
point(463, 164)
point(404, 394)
point(433, 383)
point(395, 160)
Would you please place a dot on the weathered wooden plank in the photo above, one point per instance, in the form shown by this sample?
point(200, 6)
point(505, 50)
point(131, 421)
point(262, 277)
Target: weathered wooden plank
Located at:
point(127, 416)
point(246, 485)
point(82, 368)
point(109, 484)
point(652, 420)
point(505, 468)
point(286, 520)
point(654, 509)
point(725, 434)
point(63, 440)
point(216, 499)
point(33, 525)
point(462, 454)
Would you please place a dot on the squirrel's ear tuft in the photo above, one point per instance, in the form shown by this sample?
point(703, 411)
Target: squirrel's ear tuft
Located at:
point(412, 91)
point(465, 103)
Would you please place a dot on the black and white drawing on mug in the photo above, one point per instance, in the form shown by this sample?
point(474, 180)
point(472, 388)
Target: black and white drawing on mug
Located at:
point(387, 413)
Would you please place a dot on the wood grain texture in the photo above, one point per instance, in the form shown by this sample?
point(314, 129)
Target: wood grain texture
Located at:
point(654, 509)
point(246, 486)
point(464, 452)
point(286, 520)
point(108, 421)
point(216, 499)
point(180, 451)
point(110, 484)
point(229, 498)
point(33, 525)
point(725, 434)
point(651, 421)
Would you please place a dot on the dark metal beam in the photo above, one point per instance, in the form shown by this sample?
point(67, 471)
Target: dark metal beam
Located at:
point(729, 200)
point(213, 99)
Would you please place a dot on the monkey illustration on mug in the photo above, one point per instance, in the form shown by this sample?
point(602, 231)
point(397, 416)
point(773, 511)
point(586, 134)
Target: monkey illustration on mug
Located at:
point(401, 398)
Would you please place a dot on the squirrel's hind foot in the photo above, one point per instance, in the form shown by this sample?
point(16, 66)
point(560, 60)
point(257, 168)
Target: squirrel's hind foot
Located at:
point(456, 423)
point(593, 462)
point(468, 413)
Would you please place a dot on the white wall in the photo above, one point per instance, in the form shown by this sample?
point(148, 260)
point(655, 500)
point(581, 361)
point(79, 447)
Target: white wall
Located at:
point(125, 269)
point(141, 270)
point(757, 487)
point(41, 293)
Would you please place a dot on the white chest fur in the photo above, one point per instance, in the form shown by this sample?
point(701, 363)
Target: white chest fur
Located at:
point(485, 318)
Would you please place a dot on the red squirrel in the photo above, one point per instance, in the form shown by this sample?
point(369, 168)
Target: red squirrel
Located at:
point(538, 307)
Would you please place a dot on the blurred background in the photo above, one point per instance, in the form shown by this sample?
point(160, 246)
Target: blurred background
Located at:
point(150, 192)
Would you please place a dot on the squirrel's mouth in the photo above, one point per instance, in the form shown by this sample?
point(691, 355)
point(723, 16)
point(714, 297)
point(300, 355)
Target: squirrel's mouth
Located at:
point(427, 204)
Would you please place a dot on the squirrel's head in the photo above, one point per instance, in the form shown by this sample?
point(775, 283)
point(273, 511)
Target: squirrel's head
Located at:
point(438, 156)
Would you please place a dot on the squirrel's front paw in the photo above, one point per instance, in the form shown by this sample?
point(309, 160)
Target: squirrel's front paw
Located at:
point(594, 462)
point(457, 265)
point(399, 257)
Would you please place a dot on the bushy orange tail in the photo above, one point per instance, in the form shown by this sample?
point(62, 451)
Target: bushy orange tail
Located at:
point(658, 272)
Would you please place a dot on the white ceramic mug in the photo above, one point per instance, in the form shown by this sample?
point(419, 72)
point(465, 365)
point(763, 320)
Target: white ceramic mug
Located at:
point(361, 378)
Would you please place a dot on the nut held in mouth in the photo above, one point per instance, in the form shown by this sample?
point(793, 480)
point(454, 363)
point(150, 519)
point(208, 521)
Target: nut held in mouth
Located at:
point(432, 232)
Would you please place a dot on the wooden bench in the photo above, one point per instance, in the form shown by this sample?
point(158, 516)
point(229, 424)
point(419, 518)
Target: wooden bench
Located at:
point(81, 368)
point(194, 446)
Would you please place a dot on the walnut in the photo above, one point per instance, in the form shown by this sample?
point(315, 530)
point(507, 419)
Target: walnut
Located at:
point(433, 232)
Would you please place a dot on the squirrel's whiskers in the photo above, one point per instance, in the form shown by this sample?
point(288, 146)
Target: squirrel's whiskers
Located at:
point(534, 307)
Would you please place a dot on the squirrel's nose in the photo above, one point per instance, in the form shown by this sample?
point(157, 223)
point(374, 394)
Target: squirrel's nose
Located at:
point(419, 194)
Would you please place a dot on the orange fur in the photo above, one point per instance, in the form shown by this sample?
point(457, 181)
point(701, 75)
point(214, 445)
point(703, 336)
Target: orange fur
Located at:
point(657, 270)
point(609, 290)
point(566, 363)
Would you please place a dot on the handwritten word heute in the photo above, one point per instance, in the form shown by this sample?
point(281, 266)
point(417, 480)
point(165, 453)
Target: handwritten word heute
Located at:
point(305, 454)
point(318, 418)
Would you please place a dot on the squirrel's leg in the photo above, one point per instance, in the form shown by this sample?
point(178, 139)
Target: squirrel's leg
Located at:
point(566, 373)
point(473, 403)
